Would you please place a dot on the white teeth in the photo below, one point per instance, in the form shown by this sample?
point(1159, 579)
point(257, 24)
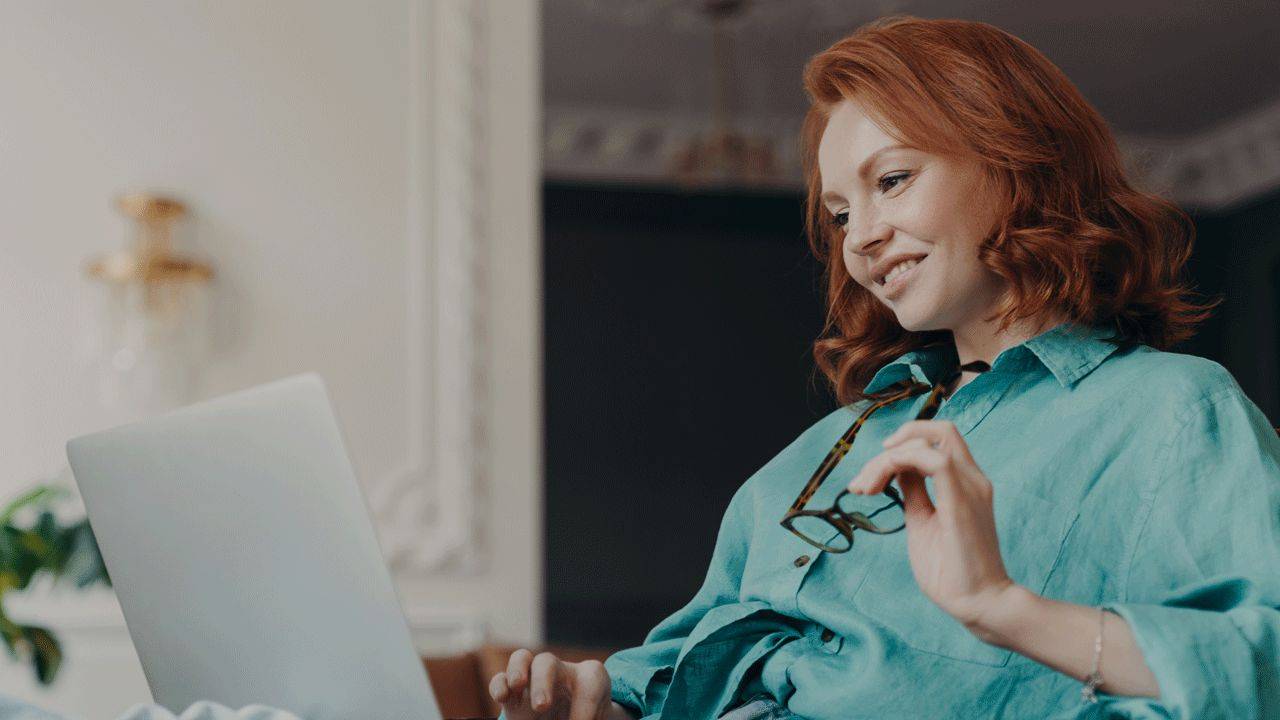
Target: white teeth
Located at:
point(899, 269)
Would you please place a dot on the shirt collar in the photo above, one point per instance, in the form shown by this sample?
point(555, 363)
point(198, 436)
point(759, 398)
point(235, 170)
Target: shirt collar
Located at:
point(924, 365)
point(1069, 351)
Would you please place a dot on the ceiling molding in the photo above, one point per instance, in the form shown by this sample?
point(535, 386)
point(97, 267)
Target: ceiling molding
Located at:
point(1214, 170)
point(626, 146)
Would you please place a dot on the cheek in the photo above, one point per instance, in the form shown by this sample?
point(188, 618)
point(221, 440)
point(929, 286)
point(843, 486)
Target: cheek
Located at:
point(926, 213)
point(955, 207)
point(857, 268)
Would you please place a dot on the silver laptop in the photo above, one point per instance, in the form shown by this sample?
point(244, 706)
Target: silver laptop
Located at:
point(244, 560)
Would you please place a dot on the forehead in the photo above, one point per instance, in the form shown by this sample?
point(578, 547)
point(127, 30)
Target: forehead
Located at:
point(850, 136)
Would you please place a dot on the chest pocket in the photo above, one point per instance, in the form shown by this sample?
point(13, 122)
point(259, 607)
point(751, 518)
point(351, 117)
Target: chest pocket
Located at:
point(1031, 531)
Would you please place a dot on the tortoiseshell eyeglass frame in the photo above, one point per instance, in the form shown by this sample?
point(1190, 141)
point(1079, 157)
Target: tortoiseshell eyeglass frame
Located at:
point(845, 522)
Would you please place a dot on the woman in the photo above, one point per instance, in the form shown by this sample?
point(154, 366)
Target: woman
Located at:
point(1092, 524)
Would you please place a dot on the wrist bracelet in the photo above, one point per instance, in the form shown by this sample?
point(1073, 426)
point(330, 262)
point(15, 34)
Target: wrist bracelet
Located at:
point(1094, 679)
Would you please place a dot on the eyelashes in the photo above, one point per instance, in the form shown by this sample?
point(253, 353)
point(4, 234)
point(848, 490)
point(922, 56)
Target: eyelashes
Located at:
point(884, 184)
point(894, 177)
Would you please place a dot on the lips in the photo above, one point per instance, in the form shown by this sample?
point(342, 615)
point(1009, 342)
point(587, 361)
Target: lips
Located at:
point(894, 287)
point(884, 267)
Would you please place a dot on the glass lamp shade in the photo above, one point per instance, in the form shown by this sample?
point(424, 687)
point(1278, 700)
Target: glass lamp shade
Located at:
point(153, 322)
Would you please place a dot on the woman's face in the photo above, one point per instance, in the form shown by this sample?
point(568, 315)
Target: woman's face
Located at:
point(898, 203)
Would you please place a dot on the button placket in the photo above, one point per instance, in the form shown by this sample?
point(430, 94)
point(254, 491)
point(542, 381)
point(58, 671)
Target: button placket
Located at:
point(825, 638)
point(799, 568)
point(964, 411)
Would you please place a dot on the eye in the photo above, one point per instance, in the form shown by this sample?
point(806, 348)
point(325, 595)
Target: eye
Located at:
point(890, 181)
point(840, 219)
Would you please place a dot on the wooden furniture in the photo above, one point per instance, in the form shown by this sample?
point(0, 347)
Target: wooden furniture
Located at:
point(461, 682)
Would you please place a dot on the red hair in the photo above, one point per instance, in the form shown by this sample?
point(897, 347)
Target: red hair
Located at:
point(1075, 238)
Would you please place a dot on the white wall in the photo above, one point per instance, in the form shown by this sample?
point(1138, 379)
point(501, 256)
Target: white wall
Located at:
point(293, 130)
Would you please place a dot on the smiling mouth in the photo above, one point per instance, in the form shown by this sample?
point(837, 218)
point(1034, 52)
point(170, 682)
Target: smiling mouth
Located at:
point(882, 281)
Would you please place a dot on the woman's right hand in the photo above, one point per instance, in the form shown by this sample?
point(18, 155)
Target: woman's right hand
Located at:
point(544, 687)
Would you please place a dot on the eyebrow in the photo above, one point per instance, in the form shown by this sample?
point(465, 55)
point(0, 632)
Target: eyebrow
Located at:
point(865, 166)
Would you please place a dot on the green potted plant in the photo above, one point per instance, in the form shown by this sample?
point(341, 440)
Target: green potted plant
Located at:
point(42, 544)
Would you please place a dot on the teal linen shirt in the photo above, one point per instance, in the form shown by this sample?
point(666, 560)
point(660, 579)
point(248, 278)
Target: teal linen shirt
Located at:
point(1141, 480)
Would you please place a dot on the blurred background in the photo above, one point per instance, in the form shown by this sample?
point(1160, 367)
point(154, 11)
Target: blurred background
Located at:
point(547, 256)
point(680, 297)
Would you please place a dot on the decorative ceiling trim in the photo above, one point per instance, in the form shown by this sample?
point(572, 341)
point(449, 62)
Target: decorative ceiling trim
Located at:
point(426, 512)
point(1214, 170)
point(625, 146)
point(693, 15)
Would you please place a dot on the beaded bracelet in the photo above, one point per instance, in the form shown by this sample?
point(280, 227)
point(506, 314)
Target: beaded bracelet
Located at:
point(1094, 679)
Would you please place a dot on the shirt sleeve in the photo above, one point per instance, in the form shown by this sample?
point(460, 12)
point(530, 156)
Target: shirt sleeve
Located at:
point(15, 709)
point(641, 675)
point(206, 710)
point(1202, 596)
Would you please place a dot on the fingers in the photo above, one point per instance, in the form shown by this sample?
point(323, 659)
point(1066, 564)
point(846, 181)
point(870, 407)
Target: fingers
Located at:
point(534, 685)
point(518, 669)
point(498, 688)
point(590, 690)
point(942, 434)
point(515, 704)
point(543, 677)
point(908, 456)
point(916, 503)
point(508, 689)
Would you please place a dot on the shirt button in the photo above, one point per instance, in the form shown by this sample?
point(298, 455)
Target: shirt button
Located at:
point(802, 561)
point(827, 634)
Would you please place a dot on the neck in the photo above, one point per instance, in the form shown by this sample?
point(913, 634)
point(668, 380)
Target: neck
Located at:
point(983, 340)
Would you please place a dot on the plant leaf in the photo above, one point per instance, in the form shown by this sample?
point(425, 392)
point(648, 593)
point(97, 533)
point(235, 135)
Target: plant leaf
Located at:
point(12, 634)
point(84, 561)
point(35, 496)
point(19, 558)
point(46, 653)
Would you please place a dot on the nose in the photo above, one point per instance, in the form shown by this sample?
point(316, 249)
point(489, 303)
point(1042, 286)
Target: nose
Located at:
point(863, 238)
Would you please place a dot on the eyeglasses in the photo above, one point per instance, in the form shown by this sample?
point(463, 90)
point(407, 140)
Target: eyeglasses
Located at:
point(850, 511)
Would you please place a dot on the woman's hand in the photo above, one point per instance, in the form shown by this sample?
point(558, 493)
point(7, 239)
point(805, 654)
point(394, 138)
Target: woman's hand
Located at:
point(951, 538)
point(544, 687)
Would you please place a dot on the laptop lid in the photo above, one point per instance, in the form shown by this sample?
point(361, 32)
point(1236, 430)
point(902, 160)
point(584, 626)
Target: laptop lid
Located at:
point(244, 559)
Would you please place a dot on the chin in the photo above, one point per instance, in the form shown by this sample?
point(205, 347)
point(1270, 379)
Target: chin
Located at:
point(914, 322)
point(913, 327)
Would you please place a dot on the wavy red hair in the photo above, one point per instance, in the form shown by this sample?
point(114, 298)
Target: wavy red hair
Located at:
point(1075, 238)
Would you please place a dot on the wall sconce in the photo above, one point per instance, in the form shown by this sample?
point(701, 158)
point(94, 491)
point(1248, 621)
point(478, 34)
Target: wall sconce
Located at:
point(155, 319)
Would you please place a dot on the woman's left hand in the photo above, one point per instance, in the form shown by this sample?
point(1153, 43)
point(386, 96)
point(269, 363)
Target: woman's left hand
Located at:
point(951, 538)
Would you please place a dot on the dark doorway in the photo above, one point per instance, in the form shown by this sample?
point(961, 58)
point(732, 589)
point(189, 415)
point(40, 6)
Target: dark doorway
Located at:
point(677, 361)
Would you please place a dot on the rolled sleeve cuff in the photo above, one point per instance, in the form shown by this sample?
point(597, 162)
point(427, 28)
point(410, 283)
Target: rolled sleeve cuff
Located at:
point(1203, 665)
point(638, 689)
